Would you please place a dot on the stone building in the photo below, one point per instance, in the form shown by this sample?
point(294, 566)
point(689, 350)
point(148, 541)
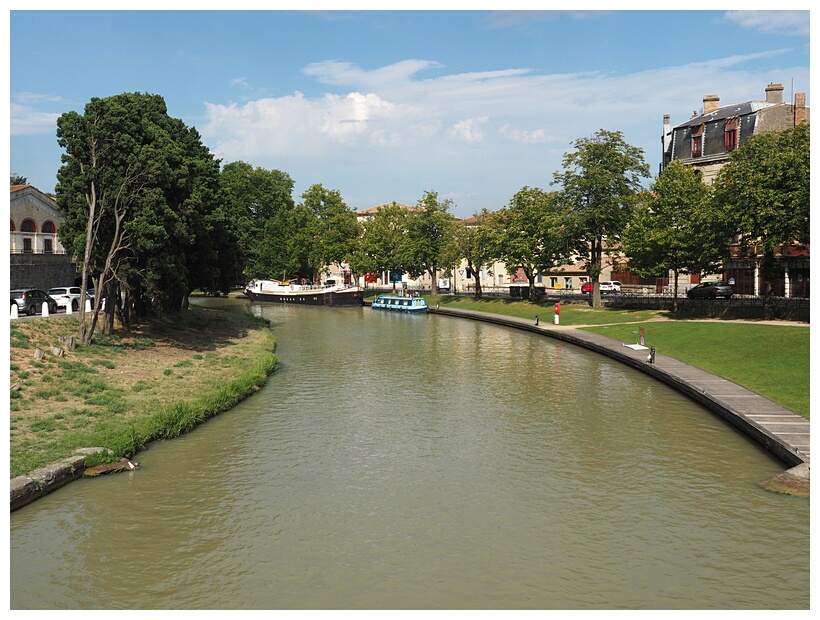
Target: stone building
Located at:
point(706, 142)
point(37, 258)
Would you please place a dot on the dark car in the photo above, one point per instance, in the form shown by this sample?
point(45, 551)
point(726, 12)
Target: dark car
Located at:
point(30, 301)
point(710, 290)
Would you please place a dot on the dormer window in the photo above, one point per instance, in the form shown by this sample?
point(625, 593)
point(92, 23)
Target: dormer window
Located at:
point(697, 141)
point(730, 136)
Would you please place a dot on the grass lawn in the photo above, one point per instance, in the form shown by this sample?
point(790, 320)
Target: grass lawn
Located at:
point(128, 388)
point(772, 360)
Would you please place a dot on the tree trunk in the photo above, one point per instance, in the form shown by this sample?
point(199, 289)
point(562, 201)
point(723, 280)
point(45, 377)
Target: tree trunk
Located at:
point(768, 271)
point(675, 294)
point(596, 266)
point(91, 199)
point(531, 280)
point(478, 291)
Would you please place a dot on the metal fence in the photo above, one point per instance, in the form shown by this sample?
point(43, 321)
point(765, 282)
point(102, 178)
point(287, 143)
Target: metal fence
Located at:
point(738, 306)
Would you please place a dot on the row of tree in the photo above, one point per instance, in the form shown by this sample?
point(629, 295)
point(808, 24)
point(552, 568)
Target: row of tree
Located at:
point(759, 202)
point(151, 217)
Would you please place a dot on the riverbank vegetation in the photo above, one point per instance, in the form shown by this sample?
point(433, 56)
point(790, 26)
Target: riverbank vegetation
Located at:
point(771, 360)
point(127, 389)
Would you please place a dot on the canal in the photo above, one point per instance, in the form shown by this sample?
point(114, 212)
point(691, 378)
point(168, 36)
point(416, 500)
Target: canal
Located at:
point(427, 462)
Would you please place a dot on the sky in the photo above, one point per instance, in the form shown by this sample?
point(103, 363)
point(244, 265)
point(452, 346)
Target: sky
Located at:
point(387, 105)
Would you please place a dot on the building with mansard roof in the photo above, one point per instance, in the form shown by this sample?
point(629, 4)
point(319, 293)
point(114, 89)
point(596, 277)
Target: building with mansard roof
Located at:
point(706, 141)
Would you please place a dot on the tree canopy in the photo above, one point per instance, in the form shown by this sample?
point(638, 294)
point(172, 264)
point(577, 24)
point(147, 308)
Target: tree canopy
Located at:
point(140, 196)
point(477, 242)
point(675, 227)
point(253, 197)
point(599, 184)
point(428, 243)
point(381, 247)
point(534, 233)
point(764, 192)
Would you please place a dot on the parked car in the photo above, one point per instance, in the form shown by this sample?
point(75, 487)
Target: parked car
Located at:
point(30, 301)
point(610, 286)
point(586, 287)
point(710, 290)
point(66, 295)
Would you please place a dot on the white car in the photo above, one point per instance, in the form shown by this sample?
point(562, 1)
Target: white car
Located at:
point(610, 286)
point(65, 296)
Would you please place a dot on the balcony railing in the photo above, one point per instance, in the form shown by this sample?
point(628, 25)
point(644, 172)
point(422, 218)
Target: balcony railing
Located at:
point(59, 250)
point(35, 243)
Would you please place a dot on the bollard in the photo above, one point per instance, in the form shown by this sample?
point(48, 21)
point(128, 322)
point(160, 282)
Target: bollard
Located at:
point(14, 311)
point(536, 319)
point(68, 308)
point(650, 359)
point(557, 312)
point(88, 305)
point(45, 309)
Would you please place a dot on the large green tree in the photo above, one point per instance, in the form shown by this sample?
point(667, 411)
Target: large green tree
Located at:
point(139, 194)
point(599, 183)
point(428, 244)
point(382, 243)
point(252, 197)
point(476, 241)
point(335, 229)
point(675, 228)
point(764, 192)
point(534, 233)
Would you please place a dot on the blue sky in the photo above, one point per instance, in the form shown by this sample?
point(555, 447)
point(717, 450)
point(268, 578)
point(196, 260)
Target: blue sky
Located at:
point(386, 105)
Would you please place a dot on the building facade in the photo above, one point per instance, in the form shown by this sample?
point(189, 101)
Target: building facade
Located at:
point(706, 142)
point(38, 259)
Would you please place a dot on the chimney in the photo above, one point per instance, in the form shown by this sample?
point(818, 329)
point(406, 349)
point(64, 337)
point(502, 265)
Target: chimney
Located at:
point(774, 93)
point(799, 108)
point(710, 103)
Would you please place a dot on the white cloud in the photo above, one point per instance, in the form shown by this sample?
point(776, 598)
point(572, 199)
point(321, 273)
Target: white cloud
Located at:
point(26, 121)
point(468, 130)
point(536, 136)
point(480, 136)
point(794, 23)
point(340, 73)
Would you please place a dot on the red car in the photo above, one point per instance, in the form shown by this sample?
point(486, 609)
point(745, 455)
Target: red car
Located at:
point(586, 287)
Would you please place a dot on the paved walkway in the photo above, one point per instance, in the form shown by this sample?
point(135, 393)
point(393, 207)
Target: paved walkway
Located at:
point(782, 431)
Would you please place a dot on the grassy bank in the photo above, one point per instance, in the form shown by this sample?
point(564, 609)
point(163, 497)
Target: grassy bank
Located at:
point(772, 360)
point(128, 389)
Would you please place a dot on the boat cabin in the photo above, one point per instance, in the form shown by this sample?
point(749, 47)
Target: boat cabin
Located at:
point(399, 304)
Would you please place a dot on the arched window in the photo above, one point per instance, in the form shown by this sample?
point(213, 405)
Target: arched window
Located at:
point(12, 226)
point(28, 226)
point(48, 228)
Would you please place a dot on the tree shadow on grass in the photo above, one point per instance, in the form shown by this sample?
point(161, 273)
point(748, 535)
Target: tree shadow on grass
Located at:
point(195, 329)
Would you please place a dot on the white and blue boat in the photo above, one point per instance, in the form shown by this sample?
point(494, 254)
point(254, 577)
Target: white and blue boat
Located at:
point(399, 304)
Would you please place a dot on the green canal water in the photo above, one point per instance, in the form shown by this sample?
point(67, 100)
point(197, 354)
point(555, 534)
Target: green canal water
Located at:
point(426, 462)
